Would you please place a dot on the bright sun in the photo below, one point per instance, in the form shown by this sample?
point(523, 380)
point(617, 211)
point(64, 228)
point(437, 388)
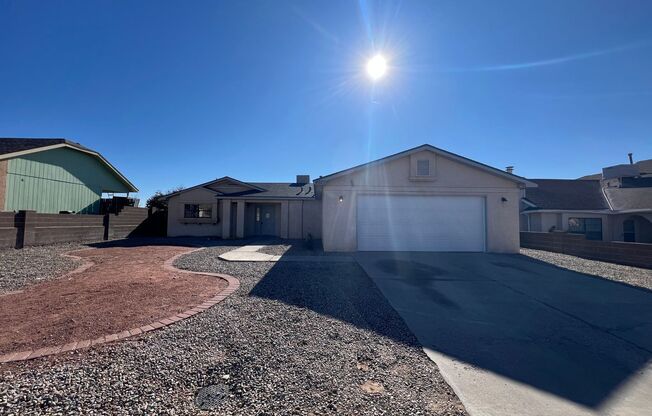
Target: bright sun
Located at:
point(376, 67)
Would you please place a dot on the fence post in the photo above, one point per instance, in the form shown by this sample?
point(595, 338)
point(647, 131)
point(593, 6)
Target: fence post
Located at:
point(25, 232)
point(108, 229)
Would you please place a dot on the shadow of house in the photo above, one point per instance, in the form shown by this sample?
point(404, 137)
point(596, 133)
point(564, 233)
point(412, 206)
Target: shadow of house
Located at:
point(577, 338)
point(338, 290)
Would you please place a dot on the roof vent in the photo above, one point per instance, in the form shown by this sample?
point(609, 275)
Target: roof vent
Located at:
point(303, 179)
point(509, 169)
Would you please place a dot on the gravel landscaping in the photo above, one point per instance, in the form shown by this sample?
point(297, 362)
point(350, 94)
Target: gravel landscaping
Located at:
point(19, 268)
point(625, 274)
point(294, 248)
point(301, 341)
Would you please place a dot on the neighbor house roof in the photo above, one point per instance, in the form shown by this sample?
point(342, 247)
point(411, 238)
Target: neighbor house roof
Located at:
point(566, 194)
point(434, 149)
point(15, 147)
point(644, 167)
point(623, 199)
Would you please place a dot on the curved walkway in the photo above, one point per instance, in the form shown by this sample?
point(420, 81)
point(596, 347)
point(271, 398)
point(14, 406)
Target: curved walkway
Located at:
point(250, 253)
point(232, 285)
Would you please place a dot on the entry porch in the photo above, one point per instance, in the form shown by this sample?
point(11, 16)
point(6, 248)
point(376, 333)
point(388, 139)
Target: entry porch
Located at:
point(247, 218)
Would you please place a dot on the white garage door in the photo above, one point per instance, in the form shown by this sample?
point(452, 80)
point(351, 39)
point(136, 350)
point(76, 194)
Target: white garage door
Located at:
point(420, 223)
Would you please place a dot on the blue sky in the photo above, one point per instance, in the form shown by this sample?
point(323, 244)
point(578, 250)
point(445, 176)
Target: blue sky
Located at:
point(177, 93)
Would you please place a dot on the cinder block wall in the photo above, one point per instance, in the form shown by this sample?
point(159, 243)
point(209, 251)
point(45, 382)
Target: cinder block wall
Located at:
point(8, 229)
point(631, 254)
point(27, 228)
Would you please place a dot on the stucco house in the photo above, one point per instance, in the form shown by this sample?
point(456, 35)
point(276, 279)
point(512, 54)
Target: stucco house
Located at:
point(422, 199)
point(613, 206)
point(54, 175)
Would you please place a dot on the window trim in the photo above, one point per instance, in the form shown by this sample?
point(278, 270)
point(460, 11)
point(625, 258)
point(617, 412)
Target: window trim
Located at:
point(427, 163)
point(197, 212)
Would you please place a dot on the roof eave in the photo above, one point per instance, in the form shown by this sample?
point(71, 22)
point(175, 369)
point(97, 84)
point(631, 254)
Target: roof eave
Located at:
point(515, 178)
point(266, 198)
point(69, 145)
point(205, 184)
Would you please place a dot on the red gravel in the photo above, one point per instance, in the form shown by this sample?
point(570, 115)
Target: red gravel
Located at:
point(126, 287)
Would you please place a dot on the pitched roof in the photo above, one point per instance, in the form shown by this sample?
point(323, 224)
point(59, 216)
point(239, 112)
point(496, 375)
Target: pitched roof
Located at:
point(14, 147)
point(284, 190)
point(442, 152)
point(258, 190)
point(623, 199)
point(567, 194)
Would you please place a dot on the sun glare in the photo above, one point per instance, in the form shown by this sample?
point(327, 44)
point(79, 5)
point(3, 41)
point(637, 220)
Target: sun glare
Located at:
point(376, 67)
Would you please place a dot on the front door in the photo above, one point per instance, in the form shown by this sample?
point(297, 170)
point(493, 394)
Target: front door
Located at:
point(265, 219)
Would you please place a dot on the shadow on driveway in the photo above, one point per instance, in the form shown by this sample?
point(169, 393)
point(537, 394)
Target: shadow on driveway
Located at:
point(558, 331)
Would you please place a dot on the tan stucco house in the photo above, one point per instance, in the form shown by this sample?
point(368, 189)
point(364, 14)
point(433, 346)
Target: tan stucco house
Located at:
point(422, 199)
point(615, 205)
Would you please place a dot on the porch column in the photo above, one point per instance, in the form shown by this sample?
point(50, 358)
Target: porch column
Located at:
point(285, 216)
point(240, 219)
point(226, 218)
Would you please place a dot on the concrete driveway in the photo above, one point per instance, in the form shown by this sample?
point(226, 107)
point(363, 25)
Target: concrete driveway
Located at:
point(515, 336)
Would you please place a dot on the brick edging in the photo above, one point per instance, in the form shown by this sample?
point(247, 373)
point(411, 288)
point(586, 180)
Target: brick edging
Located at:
point(233, 285)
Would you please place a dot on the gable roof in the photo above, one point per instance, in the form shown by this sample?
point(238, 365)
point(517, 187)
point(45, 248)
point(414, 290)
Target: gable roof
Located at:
point(453, 156)
point(285, 190)
point(257, 190)
point(15, 147)
point(623, 199)
point(567, 194)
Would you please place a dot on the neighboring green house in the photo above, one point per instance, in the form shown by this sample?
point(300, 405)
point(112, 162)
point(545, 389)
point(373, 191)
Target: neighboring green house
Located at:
point(53, 175)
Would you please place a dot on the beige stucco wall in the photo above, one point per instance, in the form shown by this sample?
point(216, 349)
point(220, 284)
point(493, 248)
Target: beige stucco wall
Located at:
point(312, 212)
point(642, 224)
point(179, 226)
point(293, 219)
point(393, 177)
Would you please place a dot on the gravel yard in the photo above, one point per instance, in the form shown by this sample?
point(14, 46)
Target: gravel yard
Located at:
point(19, 268)
point(313, 338)
point(293, 248)
point(625, 274)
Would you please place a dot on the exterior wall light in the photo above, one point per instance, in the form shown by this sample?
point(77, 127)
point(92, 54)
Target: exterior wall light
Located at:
point(341, 198)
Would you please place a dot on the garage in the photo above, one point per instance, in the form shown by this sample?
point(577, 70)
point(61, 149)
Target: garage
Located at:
point(420, 223)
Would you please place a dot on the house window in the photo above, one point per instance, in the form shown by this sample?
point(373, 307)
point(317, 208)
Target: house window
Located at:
point(590, 227)
point(423, 167)
point(198, 211)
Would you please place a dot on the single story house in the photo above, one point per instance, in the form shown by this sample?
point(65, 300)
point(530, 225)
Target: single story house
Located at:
point(613, 206)
point(422, 199)
point(54, 175)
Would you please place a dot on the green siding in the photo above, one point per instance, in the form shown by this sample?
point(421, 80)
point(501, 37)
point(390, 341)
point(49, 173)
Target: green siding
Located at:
point(59, 180)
